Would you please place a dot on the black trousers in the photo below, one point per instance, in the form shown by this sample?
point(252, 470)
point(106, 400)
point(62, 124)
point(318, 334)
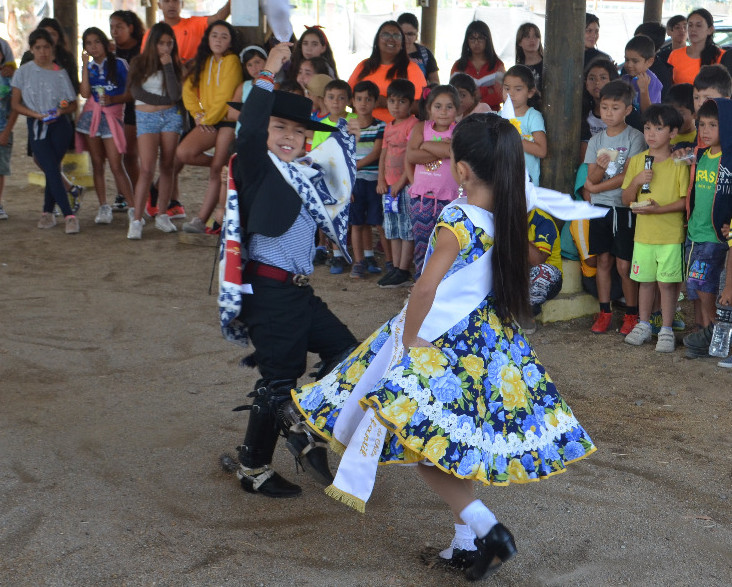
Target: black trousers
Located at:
point(285, 322)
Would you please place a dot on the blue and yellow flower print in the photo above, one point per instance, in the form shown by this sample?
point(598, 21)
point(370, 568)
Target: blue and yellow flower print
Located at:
point(478, 403)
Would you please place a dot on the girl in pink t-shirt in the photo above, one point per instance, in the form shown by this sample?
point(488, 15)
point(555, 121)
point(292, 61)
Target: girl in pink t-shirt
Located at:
point(429, 151)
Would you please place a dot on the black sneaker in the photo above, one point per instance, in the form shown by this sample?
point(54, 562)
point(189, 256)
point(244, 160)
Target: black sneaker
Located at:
point(697, 343)
point(120, 204)
point(399, 278)
point(386, 277)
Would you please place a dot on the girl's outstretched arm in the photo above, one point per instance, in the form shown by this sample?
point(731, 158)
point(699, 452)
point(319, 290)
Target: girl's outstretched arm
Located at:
point(444, 255)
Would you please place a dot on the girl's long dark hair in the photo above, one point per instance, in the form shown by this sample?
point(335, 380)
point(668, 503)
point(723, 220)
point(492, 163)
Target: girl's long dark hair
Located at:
point(204, 51)
point(527, 76)
point(131, 19)
point(148, 62)
point(298, 58)
point(711, 52)
point(523, 31)
point(478, 27)
point(401, 63)
point(62, 55)
point(52, 23)
point(111, 64)
point(492, 148)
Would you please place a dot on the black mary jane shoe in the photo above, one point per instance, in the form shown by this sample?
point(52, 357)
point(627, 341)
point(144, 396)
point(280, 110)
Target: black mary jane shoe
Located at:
point(268, 483)
point(311, 452)
point(460, 560)
point(494, 549)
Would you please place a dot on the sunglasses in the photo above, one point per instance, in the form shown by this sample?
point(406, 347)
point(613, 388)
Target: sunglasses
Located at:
point(476, 38)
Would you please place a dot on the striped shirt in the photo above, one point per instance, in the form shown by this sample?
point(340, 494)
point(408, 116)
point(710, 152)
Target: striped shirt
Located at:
point(369, 135)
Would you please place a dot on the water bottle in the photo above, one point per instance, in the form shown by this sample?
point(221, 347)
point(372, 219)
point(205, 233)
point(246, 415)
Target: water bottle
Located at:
point(719, 347)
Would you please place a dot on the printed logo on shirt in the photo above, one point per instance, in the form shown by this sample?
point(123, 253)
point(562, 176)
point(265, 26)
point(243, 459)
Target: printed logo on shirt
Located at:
point(725, 176)
point(706, 176)
point(615, 167)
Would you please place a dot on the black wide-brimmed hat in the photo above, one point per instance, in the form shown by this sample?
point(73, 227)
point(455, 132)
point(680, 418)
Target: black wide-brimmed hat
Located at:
point(293, 107)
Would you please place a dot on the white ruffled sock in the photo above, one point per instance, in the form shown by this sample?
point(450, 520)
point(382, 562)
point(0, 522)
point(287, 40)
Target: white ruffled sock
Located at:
point(462, 540)
point(478, 517)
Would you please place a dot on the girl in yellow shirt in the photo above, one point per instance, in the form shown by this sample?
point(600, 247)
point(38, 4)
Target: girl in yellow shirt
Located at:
point(215, 75)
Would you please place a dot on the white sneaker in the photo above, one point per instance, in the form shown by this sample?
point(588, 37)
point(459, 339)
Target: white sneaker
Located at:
point(641, 333)
point(135, 231)
point(666, 342)
point(104, 216)
point(162, 222)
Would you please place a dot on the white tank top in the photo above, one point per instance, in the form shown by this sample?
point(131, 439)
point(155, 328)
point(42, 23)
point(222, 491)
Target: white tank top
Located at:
point(153, 85)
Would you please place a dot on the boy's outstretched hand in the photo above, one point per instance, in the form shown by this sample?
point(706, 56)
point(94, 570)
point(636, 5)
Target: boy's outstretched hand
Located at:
point(278, 56)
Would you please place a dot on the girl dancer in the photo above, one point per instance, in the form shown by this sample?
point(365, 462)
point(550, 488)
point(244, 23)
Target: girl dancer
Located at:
point(155, 83)
point(211, 84)
point(43, 93)
point(451, 383)
point(103, 81)
point(429, 151)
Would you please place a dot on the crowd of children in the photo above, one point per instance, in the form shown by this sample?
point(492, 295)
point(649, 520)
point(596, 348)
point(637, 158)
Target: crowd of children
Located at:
point(155, 98)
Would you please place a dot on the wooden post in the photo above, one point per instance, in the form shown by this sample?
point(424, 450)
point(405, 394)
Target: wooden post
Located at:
point(65, 12)
point(428, 27)
point(652, 10)
point(563, 62)
point(151, 13)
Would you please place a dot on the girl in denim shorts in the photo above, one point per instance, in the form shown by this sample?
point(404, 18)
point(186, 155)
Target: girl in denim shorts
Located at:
point(103, 81)
point(155, 84)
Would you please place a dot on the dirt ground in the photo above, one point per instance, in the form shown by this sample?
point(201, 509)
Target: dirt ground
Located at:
point(116, 392)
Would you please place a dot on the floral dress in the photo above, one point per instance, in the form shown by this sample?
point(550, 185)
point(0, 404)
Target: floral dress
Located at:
point(478, 404)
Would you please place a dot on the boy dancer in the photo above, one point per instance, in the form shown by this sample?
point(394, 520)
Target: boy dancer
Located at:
point(611, 237)
point(659, 231)
point(282, 203)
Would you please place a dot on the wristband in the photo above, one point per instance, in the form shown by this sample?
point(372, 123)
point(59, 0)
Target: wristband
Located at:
point(266, 73)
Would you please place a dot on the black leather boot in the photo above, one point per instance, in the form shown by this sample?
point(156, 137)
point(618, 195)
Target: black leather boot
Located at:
point(311, 451)
point(267, 482)
point(255, 454)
